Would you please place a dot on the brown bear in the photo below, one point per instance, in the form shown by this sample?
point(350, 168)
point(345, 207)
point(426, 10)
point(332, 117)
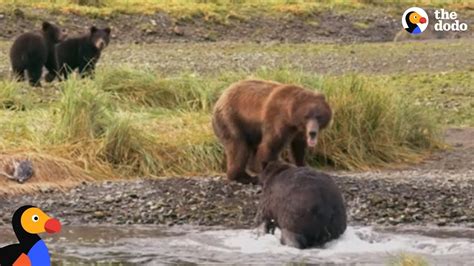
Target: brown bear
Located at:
point(306, 205)
point(82, 52)
point(33, 50)
point(255, 119)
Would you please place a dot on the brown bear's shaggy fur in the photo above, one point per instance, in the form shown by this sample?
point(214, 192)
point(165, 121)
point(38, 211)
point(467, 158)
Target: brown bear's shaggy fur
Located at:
point(255, 119)
point(306, 205)
point(82, 52)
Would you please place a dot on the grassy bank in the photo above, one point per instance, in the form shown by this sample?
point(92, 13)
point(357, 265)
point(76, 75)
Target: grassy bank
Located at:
point(218, 10)
point(130, 122)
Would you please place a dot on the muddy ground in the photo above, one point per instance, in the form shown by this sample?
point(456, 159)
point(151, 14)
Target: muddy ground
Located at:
point(359, 25)
point(434, 56)
point(439, 191)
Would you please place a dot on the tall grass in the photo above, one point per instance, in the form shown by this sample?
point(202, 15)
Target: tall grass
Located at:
point(186, 92)
point(83, 111)
point(130, 123)
point(129, 149)
point(13, 96)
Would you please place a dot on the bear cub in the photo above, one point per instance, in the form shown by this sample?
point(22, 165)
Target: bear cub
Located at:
point(82, 52)
point(305, 204)
point(33, 50)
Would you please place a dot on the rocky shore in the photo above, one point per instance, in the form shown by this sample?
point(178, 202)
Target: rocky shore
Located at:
point(214, 201)
point(438, 192)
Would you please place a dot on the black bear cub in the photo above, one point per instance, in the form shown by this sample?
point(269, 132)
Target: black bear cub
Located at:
point(306, 205)
point(82, 52)
point(33, 50)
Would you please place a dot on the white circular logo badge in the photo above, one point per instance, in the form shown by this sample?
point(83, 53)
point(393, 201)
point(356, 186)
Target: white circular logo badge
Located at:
point(415, 20)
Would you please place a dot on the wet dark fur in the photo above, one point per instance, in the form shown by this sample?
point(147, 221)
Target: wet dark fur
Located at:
point(305, 204)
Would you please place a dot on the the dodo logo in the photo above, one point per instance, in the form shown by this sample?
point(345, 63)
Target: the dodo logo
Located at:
point(415, 20)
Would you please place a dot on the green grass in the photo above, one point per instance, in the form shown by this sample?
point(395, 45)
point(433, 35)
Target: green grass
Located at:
point(450, 94)
point(131, 123)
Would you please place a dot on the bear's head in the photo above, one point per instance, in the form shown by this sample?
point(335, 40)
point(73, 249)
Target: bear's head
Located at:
point(100, 38)
point(311, 113)
point(53, 33)
point(272, 169)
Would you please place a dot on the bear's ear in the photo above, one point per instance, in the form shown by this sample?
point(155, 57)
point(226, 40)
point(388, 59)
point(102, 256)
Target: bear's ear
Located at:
point(107, 30)
point(273, 168)
point(46, 25)
point(93, 29)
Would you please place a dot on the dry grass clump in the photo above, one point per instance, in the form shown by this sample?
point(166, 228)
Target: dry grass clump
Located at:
point(144, 87)
point(83, 111)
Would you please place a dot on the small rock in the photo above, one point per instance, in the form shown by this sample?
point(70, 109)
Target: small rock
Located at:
point(178, 31)
point(19, 13)
point(99, 214)
point(108, 199)
point(149, 31)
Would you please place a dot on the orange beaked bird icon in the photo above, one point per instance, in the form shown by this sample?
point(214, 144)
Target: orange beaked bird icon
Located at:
point(413, 19)
point(29, 221)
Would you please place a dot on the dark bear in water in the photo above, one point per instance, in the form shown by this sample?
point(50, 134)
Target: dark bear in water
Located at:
point(83, 52)
point(305, 204)
point(33, 50)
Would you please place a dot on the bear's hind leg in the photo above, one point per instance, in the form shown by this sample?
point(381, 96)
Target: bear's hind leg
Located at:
point(237, 153)
point(52, 74)
point(34, 75)
point(293, 240)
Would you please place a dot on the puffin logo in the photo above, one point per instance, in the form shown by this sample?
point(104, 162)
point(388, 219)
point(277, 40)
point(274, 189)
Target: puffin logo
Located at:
point(415, 20)
point(29, 221)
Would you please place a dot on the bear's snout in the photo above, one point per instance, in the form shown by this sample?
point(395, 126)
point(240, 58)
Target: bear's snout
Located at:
point(100, 44)
point(312, 133)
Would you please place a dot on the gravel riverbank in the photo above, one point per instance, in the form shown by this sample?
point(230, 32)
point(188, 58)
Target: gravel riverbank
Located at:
point(438, 192)
point(213, 201)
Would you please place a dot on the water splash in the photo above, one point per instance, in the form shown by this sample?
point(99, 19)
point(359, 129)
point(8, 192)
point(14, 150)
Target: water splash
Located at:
point(149, 244)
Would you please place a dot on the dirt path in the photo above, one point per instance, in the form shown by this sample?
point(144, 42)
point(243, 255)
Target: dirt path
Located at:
point(439, 191)
point(359, 25)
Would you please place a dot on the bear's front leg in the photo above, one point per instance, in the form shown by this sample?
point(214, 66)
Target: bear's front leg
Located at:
point(266, 225)
point(298, 149)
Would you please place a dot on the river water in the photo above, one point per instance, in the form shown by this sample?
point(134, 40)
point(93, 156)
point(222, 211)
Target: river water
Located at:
point(152, 245)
